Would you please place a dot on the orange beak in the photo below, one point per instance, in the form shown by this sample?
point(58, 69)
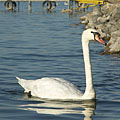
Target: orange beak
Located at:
point(99, 39)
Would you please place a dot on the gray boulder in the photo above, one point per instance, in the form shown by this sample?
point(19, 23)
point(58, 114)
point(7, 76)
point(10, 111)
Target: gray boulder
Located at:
point(106, 20)
point(113, 45)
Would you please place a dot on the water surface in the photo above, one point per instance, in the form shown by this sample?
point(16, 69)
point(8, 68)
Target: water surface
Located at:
point(41, 44)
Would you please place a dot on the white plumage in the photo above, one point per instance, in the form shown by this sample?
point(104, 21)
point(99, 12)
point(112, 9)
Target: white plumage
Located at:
point(53, 88)
point(57, 88)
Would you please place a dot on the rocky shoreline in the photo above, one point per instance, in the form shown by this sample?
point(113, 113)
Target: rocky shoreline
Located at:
point(106, 19)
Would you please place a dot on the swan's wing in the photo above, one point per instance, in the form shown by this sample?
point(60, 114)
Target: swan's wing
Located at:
point(53, 88)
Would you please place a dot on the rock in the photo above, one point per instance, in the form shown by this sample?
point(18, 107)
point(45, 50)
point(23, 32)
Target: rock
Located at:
point(116, 13)
point(113, 45)
point(85, 22)
point(97, 12)
point(103, 35)
point(103, 19)
point(107, 22)
point(83, 18)
point(116, 34)
point(107, 8)
point(112, 1)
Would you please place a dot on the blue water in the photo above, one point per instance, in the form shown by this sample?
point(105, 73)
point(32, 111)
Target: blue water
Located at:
point(39, 44)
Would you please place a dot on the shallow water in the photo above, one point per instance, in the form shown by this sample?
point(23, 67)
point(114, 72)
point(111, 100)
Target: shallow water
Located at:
point(39, 44)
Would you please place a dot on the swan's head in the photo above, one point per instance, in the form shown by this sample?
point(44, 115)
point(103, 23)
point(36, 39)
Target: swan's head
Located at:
point(92, 34)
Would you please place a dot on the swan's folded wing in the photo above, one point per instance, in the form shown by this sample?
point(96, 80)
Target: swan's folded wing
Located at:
point(54, 88)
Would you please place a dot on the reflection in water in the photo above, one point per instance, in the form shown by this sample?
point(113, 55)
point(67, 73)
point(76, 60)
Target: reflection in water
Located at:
point(62, 107)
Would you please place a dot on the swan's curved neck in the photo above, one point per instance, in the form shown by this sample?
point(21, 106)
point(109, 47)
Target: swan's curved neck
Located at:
point(89, 91)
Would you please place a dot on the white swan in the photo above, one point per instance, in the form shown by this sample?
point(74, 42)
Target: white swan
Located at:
point(57, 88)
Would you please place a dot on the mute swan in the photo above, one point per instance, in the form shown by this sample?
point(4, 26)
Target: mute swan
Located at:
point(57, 88)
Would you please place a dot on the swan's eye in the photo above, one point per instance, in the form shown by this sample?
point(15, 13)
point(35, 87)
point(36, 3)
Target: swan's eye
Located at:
point(98, 38)
point(95, 34)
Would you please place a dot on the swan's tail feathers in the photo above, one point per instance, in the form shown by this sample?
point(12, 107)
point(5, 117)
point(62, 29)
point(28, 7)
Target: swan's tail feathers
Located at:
point(22, 82)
